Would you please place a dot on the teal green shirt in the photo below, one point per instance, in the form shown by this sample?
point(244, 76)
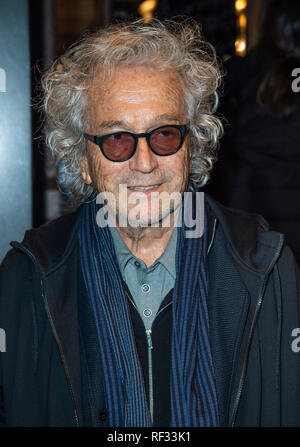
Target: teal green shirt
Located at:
point(148, 285)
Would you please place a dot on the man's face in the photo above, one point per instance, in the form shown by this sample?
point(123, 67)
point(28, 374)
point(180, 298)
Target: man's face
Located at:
point(137, 100)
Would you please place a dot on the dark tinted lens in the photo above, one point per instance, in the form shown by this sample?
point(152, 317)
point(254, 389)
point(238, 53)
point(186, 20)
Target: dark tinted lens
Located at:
point(165, 140)
point(118, 146)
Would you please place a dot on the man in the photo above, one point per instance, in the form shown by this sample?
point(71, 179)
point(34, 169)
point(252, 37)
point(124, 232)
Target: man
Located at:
point(122, 313)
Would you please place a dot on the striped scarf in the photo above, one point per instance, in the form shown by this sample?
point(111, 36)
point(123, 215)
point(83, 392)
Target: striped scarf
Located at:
point(192, 387)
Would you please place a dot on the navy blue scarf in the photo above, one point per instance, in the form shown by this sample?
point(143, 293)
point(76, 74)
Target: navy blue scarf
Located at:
point(192, 387)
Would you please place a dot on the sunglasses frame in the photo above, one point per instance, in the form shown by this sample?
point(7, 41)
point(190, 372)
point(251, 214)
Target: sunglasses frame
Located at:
point(98, 139)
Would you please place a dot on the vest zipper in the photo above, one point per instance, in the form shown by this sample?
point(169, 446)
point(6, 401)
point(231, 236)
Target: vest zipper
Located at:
point(150, 368)
point(150, 372)
point(150, 348)
point(60, 350)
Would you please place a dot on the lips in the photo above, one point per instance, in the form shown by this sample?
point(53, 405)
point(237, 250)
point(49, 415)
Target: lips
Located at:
point(143, 188)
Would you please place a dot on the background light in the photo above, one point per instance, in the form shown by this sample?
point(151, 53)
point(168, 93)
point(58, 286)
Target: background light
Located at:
point(241, 40)
point(147, 8)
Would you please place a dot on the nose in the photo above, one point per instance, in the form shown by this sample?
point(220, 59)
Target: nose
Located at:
point(144, 160)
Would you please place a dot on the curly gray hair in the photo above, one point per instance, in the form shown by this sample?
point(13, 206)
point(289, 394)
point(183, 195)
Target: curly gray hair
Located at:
point(170, 44)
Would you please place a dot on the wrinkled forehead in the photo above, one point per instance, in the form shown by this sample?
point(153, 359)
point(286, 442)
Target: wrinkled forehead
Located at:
point(135, 83)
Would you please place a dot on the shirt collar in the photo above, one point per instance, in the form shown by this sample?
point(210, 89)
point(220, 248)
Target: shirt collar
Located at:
point(124, 255)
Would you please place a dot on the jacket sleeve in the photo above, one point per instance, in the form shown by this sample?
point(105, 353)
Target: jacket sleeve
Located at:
point(2, 344)
point(2, 413)
point(289, 282)
point(15, 285)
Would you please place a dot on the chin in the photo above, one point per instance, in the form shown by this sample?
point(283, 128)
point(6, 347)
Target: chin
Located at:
point(156, 220)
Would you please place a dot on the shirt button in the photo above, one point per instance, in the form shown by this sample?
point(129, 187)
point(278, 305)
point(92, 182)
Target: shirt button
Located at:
point(137, 264)
point(145, 288)
point(102, 416)
point(147, 312)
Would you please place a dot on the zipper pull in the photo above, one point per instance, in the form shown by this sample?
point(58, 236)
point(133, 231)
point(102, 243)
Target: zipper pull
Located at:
point(149, 339)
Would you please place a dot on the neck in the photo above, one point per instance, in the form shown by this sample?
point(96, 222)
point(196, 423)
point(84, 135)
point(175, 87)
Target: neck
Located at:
point(148, 243)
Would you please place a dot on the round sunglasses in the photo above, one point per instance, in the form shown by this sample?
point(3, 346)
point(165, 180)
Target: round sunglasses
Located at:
point(121, 146)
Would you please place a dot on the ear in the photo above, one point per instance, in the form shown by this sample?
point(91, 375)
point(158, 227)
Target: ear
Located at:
point(84, 169)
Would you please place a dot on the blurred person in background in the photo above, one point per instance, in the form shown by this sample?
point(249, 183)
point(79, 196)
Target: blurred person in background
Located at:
point(259, 159)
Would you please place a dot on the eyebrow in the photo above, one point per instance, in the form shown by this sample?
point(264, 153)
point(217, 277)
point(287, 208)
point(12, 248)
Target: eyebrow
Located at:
point(111, 124)
point(157, 120)
point(166, 117)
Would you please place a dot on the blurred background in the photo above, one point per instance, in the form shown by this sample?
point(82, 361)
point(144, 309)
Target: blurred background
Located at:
point(32, 34)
